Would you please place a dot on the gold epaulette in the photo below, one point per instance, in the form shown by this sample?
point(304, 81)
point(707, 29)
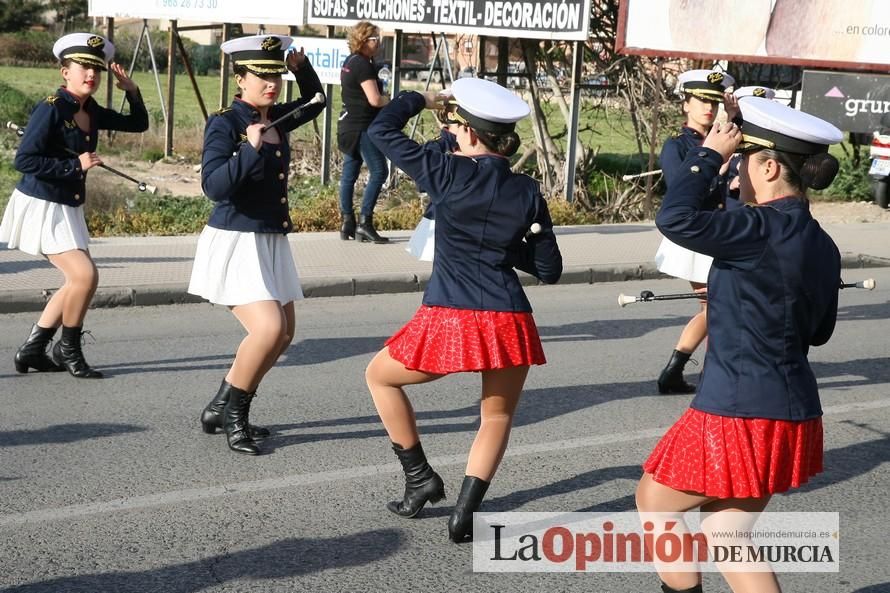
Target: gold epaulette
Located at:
point(221, 111)
point(52, 99)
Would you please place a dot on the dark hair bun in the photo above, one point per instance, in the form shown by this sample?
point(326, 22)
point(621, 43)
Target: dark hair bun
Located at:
point(819, 170)
point(509, 144)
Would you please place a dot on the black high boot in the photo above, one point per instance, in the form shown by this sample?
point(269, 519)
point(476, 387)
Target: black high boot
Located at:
point(67, 352)
point(367, 232)
point(213, 415)
point(347, 227)
point(460, 524)
point(671, 378)
point(666, 589)
point(422, 484)
point(32, 354)
point(237, 413)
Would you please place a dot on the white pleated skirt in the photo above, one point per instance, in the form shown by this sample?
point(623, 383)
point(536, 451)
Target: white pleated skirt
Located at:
point(422, 243)
point(40, 227)
point(236, 268)
point(679, 262)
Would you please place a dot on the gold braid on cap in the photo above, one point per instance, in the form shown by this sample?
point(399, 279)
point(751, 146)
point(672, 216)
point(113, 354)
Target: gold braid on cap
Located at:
point(88, 58)
point(749, 142)
point(263, 66)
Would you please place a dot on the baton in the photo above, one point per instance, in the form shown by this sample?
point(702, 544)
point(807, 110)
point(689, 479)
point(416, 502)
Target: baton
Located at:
point(638, 175)
point(142, 186)
point(318, 98)
point(648, 296)
point(867, 284)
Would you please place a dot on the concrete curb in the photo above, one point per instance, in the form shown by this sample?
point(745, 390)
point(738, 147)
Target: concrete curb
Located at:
point(22, 301)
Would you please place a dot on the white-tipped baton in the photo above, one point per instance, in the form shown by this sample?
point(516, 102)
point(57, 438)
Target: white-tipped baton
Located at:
point(318, 98)
point(647, 296)
point(141, 185)
point(534, 229)
point(867, 284)
point(638, 175)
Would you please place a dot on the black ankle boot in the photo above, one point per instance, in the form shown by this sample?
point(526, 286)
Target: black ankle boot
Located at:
point(460, 524)
point(32, 354)
point(671, 378)
point(237, 413)
point(347, 228)
point(213, 415)
point(67, 353)
point(422, 484)
point(666, 589)
point(367, 232)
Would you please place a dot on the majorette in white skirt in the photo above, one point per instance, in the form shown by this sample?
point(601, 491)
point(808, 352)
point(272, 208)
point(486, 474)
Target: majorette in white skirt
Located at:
point(41, 227)
point(237, 268)
point(679, 262)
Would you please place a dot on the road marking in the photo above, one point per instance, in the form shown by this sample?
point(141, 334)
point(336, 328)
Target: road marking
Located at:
point(251, 487)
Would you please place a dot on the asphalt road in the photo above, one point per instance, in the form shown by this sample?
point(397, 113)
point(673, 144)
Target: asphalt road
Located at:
point(110, 486)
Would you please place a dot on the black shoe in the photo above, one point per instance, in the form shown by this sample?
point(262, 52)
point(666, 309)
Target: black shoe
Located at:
point(347, 227)
point(212, 417)
point(671, 378)
point(32, 354)
point(366, 231)
point(422, 484)
point(460, 524)
point(666, 589)
point(237, 413)
point(68, 353)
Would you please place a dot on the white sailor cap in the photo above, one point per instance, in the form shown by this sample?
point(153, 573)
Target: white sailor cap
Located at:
point(754, 91)
point(260, 54)
point(87, 49)
point(487, 106)
point(705, 84)
point(770, 124)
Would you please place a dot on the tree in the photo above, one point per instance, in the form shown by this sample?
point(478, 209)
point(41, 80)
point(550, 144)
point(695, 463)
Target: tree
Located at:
point(70, 14)
point(18, 15)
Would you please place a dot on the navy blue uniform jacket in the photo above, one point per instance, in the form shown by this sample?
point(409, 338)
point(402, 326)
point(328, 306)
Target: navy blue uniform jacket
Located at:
point(52, 173)
point(250, 186)
point(483, 212)
point(772, 293)
point(674, 152)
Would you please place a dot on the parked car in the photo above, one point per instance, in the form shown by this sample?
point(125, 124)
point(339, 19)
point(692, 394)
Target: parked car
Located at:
point(595, 86)
point(410, 69)
point(424, 74)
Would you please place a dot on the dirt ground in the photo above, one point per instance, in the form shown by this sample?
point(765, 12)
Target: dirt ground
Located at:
point(182, 179)
point(178, 179)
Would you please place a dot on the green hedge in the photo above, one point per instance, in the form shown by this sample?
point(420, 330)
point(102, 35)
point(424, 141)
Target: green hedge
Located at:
point(27, 48)
point(14, 106)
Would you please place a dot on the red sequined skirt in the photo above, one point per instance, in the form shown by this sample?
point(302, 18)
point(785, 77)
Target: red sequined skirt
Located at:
point(443, 340)
point(729, 457)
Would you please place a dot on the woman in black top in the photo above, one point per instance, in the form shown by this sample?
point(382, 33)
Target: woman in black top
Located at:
point(363, 97)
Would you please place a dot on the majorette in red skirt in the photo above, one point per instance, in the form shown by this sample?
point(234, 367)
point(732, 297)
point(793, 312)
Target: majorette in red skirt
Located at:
point(442, 340)
point(730, 457)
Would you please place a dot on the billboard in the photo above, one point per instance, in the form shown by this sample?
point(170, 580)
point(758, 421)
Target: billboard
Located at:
point(327, 56)
point(852, 34)
point(533, 19)
point(266, 12)
point(852, 102)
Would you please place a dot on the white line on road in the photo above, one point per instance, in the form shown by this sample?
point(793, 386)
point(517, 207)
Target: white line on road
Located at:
point(252, 487)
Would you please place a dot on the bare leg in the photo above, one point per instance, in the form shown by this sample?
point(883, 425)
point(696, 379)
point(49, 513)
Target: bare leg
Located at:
point(386, 377)
point(287, 336)
point(70, 303)
point(266, 324)
point(653, 497)
point(501, 390)
point(734, 515)
point(697, 328)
